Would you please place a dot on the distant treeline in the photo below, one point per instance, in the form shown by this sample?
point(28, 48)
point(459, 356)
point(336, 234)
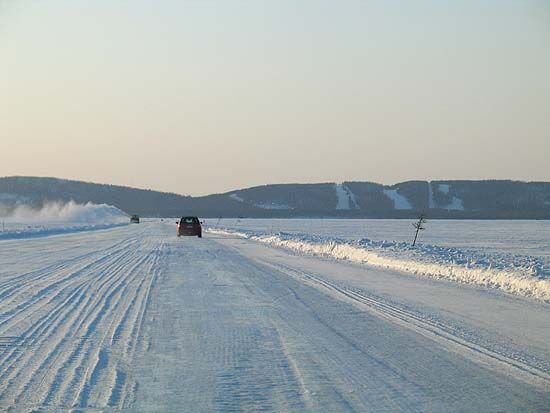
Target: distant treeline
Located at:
point(487, 199)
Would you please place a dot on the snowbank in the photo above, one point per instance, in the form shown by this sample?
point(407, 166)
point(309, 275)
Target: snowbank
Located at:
point(521, 275)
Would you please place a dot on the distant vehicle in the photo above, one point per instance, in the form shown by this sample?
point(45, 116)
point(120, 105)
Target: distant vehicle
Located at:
point(134, 219)
point(189, 226)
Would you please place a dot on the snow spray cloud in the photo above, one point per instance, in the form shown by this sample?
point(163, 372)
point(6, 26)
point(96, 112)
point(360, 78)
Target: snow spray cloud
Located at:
point(64, 212)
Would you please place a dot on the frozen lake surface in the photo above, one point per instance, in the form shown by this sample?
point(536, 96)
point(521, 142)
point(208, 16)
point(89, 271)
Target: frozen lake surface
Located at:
point(512, 256)
point(133, 318)
point(502, 236)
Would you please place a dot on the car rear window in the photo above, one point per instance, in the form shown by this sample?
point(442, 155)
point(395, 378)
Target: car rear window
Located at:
point(190, 220)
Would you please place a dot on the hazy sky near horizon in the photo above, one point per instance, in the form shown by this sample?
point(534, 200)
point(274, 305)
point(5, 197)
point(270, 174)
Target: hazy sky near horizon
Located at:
point(206, 96)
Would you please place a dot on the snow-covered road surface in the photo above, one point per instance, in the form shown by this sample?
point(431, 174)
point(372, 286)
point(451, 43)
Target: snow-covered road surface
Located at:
point(134, 318)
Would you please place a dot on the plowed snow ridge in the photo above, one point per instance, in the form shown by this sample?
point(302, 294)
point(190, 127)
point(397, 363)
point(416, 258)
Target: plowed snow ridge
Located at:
point(526, 278)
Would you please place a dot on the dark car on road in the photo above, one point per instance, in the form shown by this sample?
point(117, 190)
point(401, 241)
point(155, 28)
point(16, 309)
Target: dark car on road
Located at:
point(134, 219)
point(189, 226)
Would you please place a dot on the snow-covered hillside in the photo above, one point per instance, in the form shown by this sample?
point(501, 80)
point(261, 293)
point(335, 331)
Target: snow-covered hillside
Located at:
point(440, 199)
point(399, 201)
point(452, 204)
point(346, 198)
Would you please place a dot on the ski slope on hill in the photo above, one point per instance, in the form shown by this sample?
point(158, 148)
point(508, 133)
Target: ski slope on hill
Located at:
point(134, 318)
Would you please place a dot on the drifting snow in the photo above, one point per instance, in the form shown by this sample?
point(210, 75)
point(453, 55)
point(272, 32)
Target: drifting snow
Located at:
point(69, 212)
point(520, 275)
point(399, 201)
point(58, 218)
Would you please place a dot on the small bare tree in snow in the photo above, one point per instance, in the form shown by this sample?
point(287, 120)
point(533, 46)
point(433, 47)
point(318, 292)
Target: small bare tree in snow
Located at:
point(418, 225)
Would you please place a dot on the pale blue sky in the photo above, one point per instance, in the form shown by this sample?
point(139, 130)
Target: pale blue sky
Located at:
point(206, 96)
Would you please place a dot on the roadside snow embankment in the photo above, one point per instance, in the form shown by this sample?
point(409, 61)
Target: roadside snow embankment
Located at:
point(520, 275)
point(55, 218)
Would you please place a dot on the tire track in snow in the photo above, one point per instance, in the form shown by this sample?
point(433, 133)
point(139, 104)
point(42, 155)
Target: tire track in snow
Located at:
point(95, 371)
point(78, 324)
point(50, 324)
point(12, 286)
point(50, 280)
point(48, 315)
point(434, 330)
point(84, 342)
point(86, 355)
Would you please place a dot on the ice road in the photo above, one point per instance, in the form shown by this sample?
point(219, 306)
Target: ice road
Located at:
point(133, 318)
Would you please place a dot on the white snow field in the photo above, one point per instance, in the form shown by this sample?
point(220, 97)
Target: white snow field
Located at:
point(134, 318)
